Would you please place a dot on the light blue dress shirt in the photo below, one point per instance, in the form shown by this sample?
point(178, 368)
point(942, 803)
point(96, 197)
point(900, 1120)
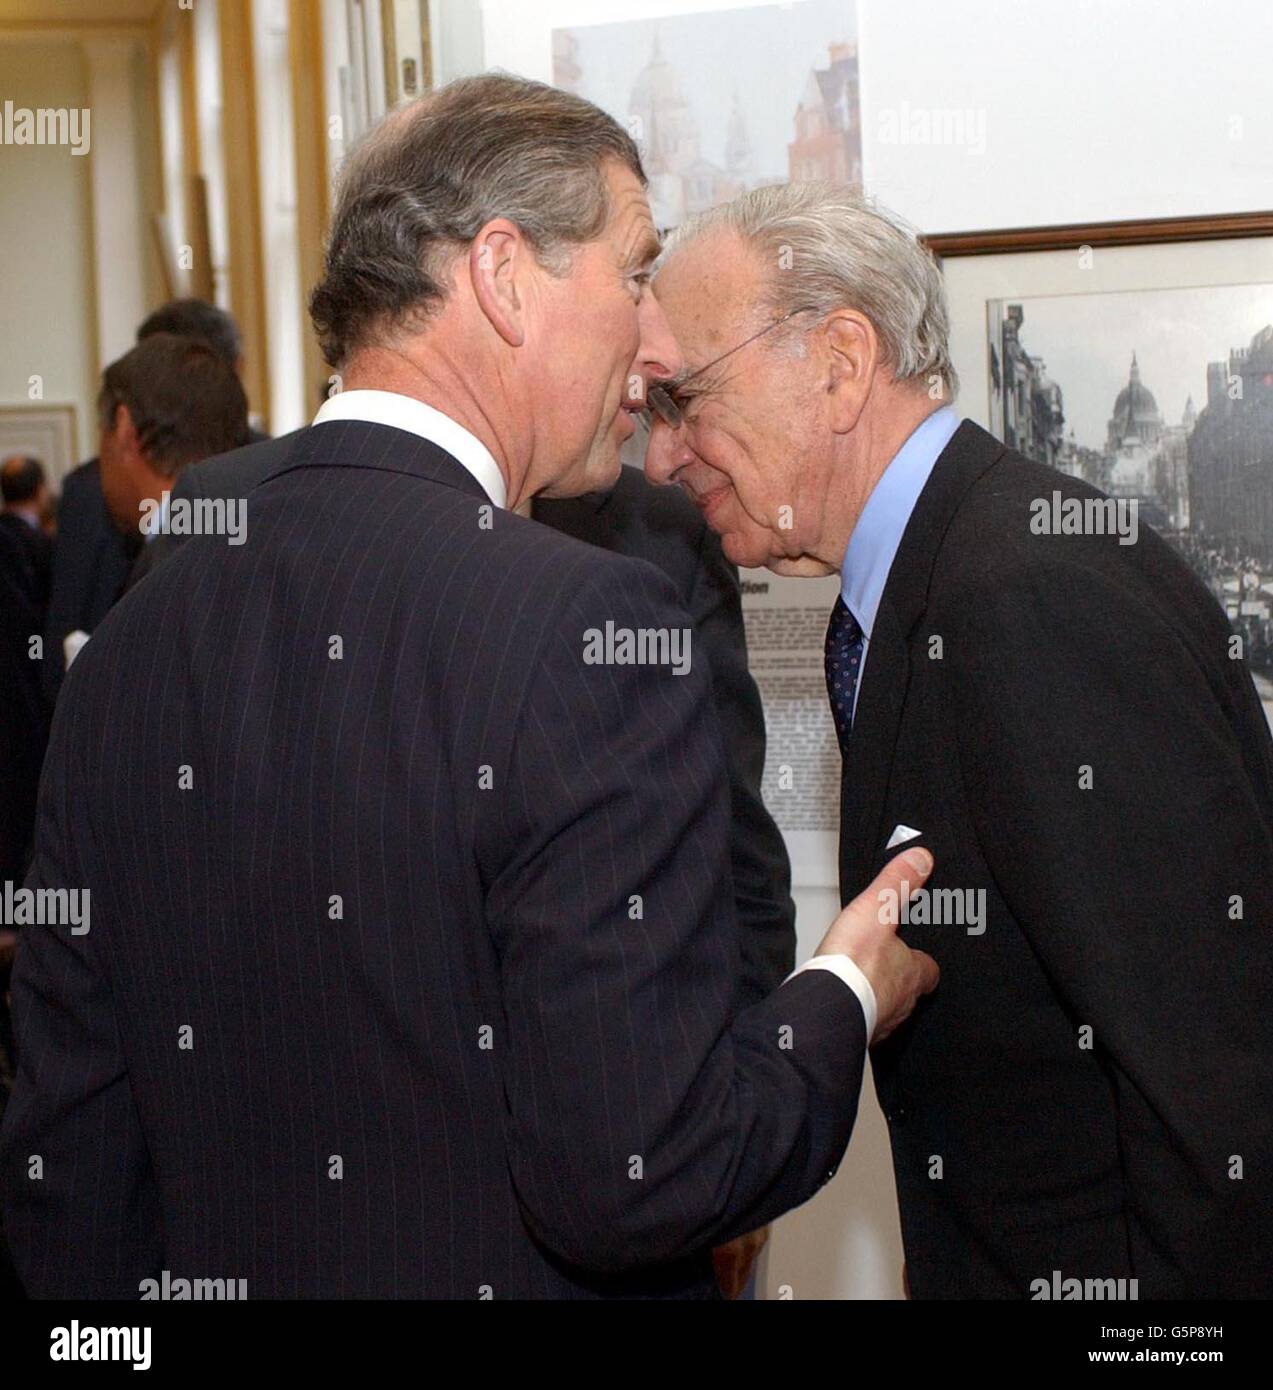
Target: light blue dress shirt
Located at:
point(867, 561)
point(873, 545)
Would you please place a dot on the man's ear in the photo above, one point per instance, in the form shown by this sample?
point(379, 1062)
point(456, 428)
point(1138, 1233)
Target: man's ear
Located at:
point(853, 354)
point(131, 449)
point(125, 431)
point(498, 261)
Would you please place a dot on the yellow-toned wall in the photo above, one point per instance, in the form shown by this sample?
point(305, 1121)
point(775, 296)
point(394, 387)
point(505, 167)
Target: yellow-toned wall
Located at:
point(46, 273)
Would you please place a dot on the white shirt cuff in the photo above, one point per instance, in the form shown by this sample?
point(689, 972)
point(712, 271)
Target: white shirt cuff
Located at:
point(845, 969)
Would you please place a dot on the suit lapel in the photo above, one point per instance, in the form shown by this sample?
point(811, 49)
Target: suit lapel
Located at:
point(886, 673)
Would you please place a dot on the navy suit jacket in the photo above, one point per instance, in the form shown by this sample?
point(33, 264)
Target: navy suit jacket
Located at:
point(661, 525)
point(90, 564)
point(412, 954)
point(23, 725)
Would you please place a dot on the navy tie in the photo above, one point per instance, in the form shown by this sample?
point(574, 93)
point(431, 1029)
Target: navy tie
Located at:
point(844, 659)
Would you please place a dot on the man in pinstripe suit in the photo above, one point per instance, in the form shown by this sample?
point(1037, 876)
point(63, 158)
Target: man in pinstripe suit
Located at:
point(412, 952)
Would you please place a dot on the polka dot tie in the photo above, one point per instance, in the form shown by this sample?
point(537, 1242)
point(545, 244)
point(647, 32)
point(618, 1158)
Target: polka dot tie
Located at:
point(844, 660)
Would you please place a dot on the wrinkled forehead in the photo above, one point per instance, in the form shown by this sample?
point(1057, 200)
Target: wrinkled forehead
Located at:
point(710, 289)
point(630, 225)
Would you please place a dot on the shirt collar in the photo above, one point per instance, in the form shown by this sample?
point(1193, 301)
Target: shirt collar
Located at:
point(406, 413)
point(873, 545)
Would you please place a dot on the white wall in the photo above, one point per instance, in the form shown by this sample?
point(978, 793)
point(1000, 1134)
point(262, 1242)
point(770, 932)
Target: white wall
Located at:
point(1074, 110)
point(1094, 110)
point(47, 301)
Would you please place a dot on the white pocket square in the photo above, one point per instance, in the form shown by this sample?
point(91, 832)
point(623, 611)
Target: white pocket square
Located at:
point(901, 834)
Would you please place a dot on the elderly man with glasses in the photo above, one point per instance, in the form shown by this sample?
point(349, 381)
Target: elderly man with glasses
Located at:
point(1063, 719)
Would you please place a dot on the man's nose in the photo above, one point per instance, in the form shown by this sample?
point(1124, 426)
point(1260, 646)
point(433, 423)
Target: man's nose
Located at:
point(665, 451)
point(659, 355)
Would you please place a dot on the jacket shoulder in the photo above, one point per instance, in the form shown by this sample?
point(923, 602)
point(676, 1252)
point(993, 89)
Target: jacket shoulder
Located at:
point(81, 483)
point(1022, 524)
point(543, 553)
point(236, 473)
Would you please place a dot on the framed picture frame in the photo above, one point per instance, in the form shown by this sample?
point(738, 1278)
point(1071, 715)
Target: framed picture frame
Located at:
point(986, 272)
point(46, 432)
point(1146, 232)
point(1139, 357)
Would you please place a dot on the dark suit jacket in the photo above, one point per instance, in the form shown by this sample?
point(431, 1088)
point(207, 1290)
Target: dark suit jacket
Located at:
point(231, 475)
point(661, 525)
point(412, 948)
point(90, 563)
point(23, 729)
point(1002, 665)
point(36, 550)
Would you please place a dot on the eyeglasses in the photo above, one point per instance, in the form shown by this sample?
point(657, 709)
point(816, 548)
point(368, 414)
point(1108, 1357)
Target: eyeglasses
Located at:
point(662, 400)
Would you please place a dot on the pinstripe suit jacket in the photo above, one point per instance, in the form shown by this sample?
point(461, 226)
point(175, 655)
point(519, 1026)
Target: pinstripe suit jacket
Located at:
point(411, 951)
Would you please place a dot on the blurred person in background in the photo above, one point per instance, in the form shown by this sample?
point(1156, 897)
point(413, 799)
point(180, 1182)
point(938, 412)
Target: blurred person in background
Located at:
point(22, 720)
point(25, 515)
point(23, 734)
point(167, 403)
point(91, 557)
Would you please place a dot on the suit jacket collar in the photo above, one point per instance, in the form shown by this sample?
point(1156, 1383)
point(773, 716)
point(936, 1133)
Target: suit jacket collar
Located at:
point(969, 454)
point(886, 674)
point(363, 444)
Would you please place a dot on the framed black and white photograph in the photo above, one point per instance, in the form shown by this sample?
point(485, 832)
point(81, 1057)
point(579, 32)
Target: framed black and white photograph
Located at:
point(1138, 357)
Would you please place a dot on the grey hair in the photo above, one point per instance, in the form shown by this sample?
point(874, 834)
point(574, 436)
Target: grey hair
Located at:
point(426, 180)
point(829, 248)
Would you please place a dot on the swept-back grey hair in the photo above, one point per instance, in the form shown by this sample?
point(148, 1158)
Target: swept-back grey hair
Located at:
point(427, 179)
point(828, 247)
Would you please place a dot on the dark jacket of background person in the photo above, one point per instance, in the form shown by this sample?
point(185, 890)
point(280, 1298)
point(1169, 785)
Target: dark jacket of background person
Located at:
point(25, 491)
point(22, 723)
point(1107, 1154)
point(91, 560)
point(36, 552)
point(346, 1021)
point(154, 550)
point(22, 738)
point(662, 526)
